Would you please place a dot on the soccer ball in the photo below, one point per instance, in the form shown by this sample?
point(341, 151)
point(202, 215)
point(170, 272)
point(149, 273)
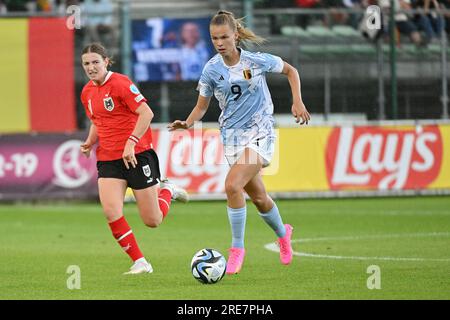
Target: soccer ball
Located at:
point(208, 266)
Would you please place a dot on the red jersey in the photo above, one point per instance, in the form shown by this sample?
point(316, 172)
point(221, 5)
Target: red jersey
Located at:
point(111, 107)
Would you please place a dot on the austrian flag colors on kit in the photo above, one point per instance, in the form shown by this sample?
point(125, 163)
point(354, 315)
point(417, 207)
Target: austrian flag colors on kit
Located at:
point(111, 107)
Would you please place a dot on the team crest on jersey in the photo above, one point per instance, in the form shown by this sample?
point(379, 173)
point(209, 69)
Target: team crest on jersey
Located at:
point(247, 74)
point(108, 103)
point(147, 170)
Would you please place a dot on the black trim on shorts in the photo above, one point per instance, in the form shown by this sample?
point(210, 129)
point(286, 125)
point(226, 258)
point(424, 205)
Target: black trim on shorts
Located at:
point(146, 174)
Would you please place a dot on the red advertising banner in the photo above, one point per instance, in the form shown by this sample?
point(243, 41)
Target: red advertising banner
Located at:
point(382, 158)
point(193, 159)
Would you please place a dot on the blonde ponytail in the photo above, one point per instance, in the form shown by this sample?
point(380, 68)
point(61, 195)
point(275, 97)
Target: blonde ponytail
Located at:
point(237, 25)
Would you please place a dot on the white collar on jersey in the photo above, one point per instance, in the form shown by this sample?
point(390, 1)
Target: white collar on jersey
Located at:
point(241, 51)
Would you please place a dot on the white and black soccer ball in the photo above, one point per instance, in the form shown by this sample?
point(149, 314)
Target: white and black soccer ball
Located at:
point(208, 266)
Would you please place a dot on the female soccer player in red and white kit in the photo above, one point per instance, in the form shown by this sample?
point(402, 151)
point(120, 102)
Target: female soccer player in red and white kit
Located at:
point(120, 122)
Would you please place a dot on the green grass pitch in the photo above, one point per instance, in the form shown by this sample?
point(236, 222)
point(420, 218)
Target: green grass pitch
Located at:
point(336, 242)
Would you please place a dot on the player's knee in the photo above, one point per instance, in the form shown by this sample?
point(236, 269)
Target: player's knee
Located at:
point(111, 213)
point(232, 188)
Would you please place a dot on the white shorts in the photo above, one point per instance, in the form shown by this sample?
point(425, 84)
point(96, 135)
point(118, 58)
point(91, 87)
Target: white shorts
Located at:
point(265, 147)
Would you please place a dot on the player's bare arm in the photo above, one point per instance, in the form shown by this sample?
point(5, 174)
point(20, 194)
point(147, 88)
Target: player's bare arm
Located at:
point(86, 147)
point(298, 110)
point(197, 114)
point(142, 124)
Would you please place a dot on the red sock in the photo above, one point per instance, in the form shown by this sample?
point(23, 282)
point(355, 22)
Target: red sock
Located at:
point(124, 235)
point(164, 199)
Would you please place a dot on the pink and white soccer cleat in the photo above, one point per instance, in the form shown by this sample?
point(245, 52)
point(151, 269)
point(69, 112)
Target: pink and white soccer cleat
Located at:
point(235, 260)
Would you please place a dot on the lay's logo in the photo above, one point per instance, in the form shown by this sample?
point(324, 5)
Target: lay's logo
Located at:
point(383, 158)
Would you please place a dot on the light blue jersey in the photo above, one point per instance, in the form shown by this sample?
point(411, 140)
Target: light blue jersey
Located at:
point(243, 95)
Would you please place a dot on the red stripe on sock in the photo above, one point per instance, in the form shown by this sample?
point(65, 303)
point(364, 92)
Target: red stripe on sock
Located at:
point(129, 243)
point(164, 206)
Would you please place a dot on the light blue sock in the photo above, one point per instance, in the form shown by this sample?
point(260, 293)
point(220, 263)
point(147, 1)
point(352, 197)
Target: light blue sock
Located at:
point(237, 218)
point(273, 219)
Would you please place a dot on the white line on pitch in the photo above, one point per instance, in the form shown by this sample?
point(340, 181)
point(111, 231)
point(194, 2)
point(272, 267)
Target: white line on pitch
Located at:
point(274, 247)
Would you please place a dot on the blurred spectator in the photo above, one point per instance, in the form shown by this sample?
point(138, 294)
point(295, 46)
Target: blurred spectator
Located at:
point(354, 18)
point(303, 20)
point(28, 6)
point(193, 50)
point(17, 5)
point(99, 20)
point(60, 6)
point(403, 22)
point(276, 21)
point(3, 9)
point(308, 4)
point(43, 5)
point(337, 17)
point(429, 21)
point(332, 17)
point(445, 4)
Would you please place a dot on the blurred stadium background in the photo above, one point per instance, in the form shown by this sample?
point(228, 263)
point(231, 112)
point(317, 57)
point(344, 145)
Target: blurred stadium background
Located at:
point(378, 97)
point(379, 105)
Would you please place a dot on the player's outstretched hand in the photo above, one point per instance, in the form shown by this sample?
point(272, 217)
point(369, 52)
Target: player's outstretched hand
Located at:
point(177, 124)
point(300, 113)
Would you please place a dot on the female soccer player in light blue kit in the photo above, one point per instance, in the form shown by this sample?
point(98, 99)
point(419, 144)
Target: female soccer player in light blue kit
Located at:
point(236, 77)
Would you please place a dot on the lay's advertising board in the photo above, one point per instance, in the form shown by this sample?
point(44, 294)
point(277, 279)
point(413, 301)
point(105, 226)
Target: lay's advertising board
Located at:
point(362, 158)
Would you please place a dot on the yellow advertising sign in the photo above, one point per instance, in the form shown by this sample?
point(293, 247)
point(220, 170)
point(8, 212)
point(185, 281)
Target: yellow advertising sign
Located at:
point(362, 158)
point(301, 161)
point(443, 179)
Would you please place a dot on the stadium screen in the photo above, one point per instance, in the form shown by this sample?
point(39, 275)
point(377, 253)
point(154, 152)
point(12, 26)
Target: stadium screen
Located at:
point(170, 49)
